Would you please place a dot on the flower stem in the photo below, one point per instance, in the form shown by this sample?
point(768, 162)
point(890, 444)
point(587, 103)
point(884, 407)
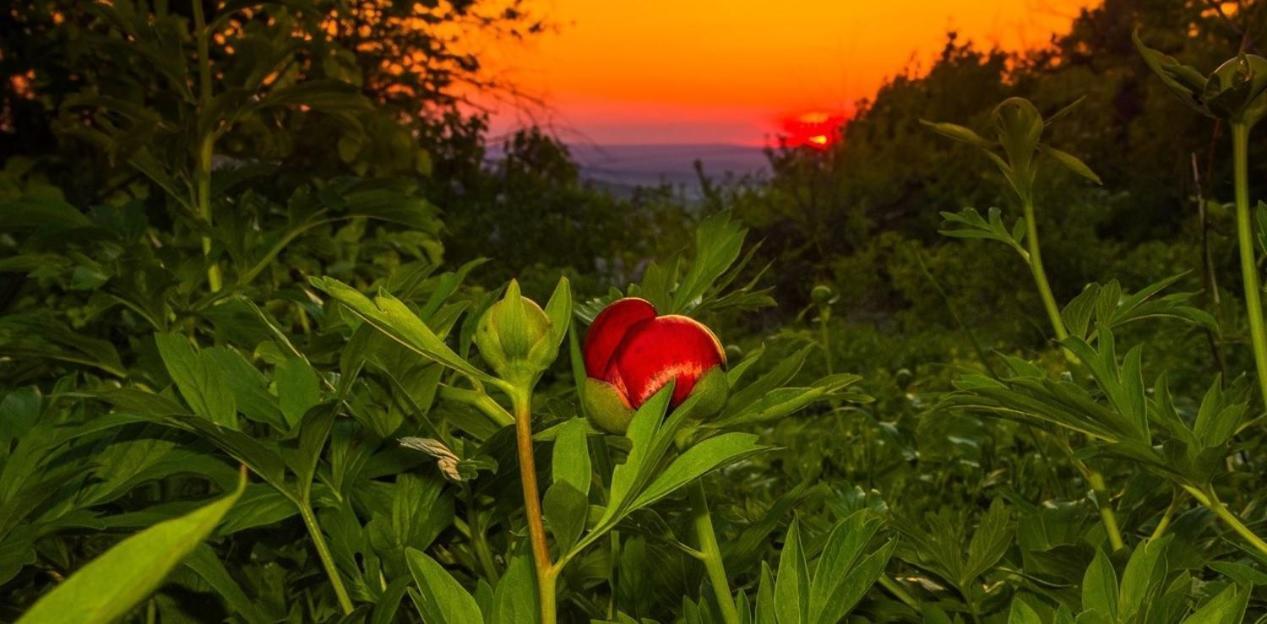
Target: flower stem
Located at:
point(206, 144)
point(546, 573)
point(711, 554)
point(327, 559)
point(1040, 273)
point(1035, 261)
point(1249, 265)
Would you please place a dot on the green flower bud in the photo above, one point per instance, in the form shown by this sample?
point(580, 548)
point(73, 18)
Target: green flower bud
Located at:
point(821, 294)
point(514, 336)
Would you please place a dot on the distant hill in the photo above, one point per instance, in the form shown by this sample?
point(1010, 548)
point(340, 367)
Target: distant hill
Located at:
point(621, 168)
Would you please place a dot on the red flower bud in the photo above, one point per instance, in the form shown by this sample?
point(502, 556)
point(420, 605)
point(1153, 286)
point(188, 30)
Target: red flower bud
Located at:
point(630, 354)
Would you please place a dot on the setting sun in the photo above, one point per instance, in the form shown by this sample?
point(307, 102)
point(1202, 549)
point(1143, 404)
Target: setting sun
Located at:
point(817, 129)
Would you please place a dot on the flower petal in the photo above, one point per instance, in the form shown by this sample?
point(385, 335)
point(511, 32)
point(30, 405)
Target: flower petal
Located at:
point(609, 328)
point(656, 351)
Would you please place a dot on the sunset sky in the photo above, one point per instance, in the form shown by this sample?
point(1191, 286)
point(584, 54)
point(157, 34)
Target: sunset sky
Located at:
point(731, 71)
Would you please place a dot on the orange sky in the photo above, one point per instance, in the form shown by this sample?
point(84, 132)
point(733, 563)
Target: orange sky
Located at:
point(701, 71)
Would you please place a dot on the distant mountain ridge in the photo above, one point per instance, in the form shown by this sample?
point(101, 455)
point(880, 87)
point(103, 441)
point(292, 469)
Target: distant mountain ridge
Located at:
point(624, 167)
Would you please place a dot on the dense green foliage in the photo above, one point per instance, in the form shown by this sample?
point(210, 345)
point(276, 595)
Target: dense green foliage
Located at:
point(248, 370)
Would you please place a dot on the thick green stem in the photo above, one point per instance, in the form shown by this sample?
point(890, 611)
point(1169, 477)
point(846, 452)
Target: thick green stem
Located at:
point(710, 554)
point(521, 397)
point(1249, 265)
point(1040, 273)
point(327, 559)
point(206, 144)
point(1212, 502)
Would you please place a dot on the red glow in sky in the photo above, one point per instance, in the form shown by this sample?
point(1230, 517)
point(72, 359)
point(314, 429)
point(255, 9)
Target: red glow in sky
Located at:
point(817, 130)
point(734, 71)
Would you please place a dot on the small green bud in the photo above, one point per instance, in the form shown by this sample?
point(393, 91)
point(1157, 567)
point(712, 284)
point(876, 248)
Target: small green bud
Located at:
point(821, 294)
point(510, 331)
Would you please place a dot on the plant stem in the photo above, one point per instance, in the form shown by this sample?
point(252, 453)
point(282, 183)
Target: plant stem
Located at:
point(1249, 265)
point(1040, 273)
point(1094, 478)
point(1164, 523)
point(1107, 517)
point(710, 552)
point(480, 401)
point(327, 559)
point(1211, 501)
point(206, 144)
point(521, 397)
point(825, 337)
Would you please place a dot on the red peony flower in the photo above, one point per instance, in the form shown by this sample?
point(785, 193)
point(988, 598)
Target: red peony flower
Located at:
point(631, 353)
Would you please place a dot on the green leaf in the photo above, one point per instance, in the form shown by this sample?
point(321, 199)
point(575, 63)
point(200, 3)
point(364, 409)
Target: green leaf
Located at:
point(859, 581)
point(441, 599)
point(248, 385)
point(989, 543)
point(515, 599)
point(1099, 586)
point(791, 585)
point(1070, 162)
point(627, 477)
point(718, 242)
point(200, 380)
point(845, 546)
point(392, 317)
point(559, 310)
point(968, 223)
point(389, 602)
point(1022, 613)
point(570, 462)
point(698, 460)
point(1228, 607)
point(313, 433)
point(766, 612)
point(566, 510)
point(207, 565)
point(298, 389)
point(1184, 81)
point(1143, 578)
point(109, 586)
point(958, 133)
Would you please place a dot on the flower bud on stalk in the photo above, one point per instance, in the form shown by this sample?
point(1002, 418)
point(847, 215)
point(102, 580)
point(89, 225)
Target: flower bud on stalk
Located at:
point(631, 353)
point(515, 337)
